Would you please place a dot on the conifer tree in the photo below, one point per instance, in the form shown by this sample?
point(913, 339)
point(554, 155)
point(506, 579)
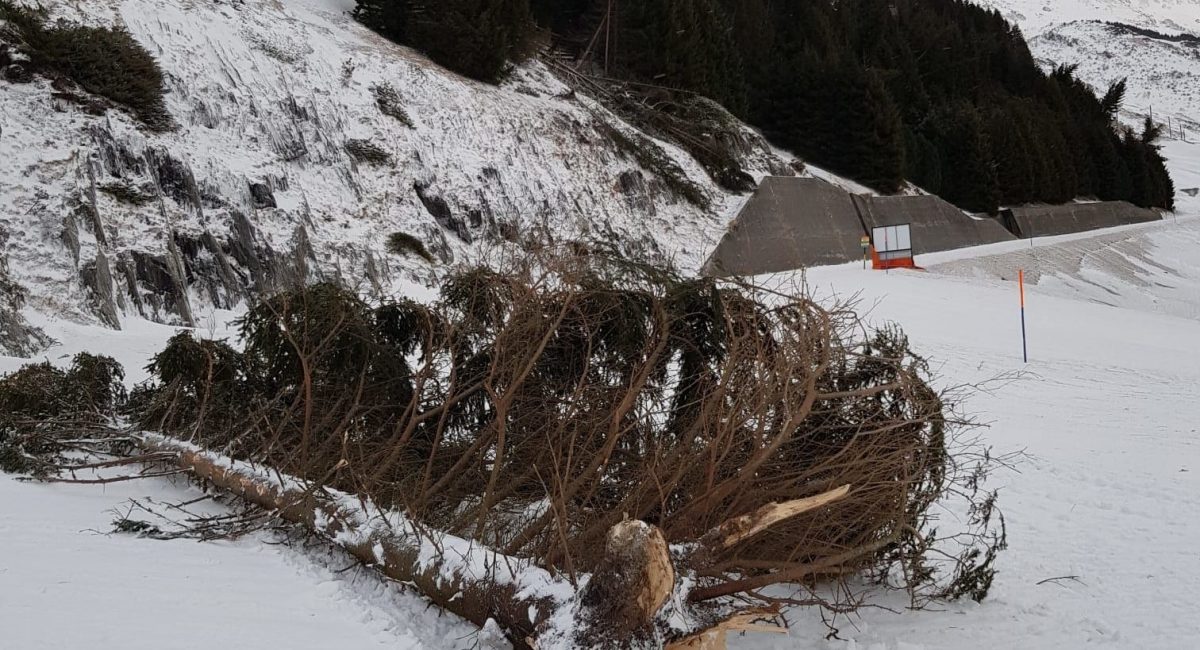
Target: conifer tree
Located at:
point(922, 163)
point(941, 91)
point(968, 176)
point(843, 117)
point(388, 18)
point(477, 38)
point(1013, 160)
point(1114, 98)
point(1111, 181)
point(685, 44)
point(1152, 185)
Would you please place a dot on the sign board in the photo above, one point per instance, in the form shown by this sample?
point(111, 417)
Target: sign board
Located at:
point(865, 242)
point(893, 239)
point(893, 246)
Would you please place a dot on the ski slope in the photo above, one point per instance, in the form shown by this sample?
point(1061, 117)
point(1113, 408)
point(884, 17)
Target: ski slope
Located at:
point(1107, 501)
point(1106, 410)
point(66, 584)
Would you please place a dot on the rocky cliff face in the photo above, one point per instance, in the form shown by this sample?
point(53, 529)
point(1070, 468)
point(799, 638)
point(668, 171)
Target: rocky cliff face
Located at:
point(304, 141)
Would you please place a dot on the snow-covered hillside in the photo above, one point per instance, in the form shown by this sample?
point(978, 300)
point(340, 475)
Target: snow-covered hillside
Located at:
point(260, 184)
point(1035, 16)
point(1163, 74)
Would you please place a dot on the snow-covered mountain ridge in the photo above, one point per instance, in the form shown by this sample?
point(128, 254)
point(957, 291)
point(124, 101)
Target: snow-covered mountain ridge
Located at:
point(265, 180)
point(1035, 16)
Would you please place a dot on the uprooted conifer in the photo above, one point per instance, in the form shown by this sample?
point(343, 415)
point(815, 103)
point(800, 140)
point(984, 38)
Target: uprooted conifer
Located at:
point(533, 408)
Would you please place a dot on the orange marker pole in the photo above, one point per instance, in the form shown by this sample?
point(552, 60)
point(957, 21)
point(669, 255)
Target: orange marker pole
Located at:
point(1024, 340)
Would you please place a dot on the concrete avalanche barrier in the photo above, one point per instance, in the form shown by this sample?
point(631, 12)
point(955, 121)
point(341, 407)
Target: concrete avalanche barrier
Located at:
point(936, 224)
point(793, 223)
point(1049, 220)
point(789, 223)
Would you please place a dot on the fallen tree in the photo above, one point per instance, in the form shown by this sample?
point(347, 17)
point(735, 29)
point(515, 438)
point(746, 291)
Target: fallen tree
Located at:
point(620, 603)
point(587, 452)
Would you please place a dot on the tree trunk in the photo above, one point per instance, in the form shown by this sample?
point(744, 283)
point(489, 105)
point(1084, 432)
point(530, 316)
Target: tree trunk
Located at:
point(618, 607)
point(457, 575)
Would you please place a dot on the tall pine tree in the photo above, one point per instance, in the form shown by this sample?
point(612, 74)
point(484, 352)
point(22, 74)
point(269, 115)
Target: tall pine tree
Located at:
point(477, 38)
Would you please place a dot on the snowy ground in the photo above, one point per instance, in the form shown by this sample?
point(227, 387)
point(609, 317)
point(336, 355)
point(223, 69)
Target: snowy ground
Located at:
point(65, 584)
point(1036, 15)
point(1106, 410)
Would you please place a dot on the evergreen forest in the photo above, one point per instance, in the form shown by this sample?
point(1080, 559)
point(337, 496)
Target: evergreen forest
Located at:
point(940, 93)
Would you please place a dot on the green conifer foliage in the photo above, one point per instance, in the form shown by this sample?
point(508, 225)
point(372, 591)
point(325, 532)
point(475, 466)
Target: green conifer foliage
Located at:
point(943, 93)
point(968, 176)
point(477, 38)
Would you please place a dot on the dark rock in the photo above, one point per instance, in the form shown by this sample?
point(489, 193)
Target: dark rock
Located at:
point(242, 243)
point(18, 74)
point(70, 236)
point(115, 158)
point(262, 196)
point(17, 337)
point(125, 265)
point(97, 277)
point(164, 279)
point(441, 213)
point(90, 205)
point(632, 185)
point(206, 265)
point(735, 180)
point(175, 178)
point(268, 269)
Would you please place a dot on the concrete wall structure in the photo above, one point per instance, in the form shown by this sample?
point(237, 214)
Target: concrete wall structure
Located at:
point(1048, 220)
point(789, 223)
point(936, 224)
point(792, 223)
